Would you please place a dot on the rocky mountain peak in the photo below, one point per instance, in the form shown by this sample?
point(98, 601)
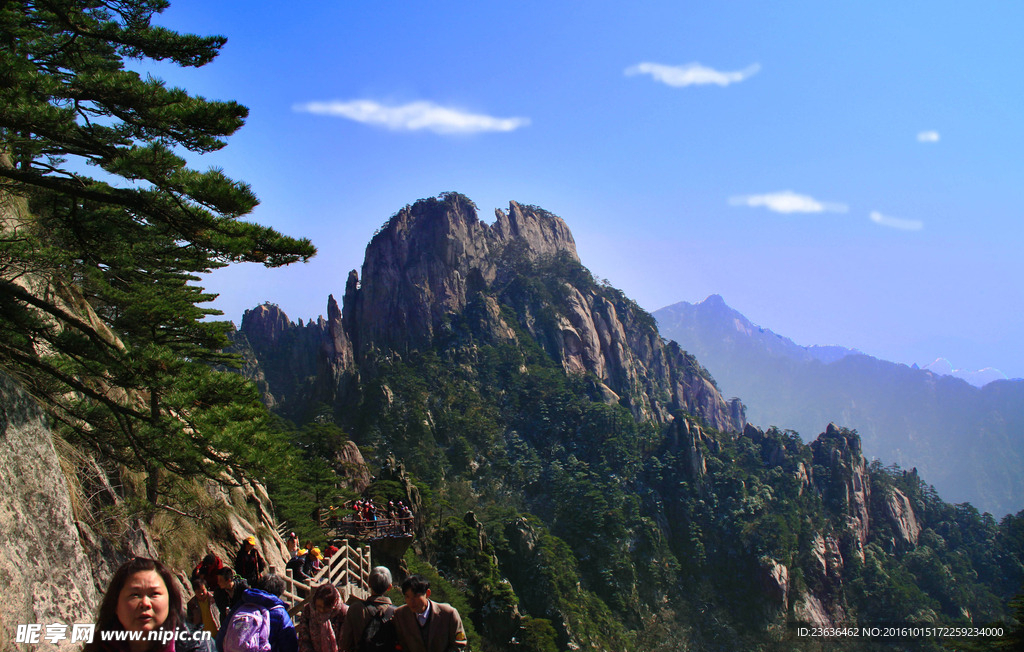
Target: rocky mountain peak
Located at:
point(265, 323)
point(846, 484)
point(431, 256)
point(433, 259)
point(543, 232)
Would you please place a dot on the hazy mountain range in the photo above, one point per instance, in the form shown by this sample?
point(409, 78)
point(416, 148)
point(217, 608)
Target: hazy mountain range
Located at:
point(978, 378)
point(966, 440)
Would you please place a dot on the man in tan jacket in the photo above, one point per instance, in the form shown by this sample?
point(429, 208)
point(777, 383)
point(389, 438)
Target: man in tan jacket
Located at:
point(427, 626)
point(360, 613)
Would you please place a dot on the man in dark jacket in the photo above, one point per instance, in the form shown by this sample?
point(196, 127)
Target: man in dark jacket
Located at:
point(249, 562)
point(282, 630)
point(228, 593)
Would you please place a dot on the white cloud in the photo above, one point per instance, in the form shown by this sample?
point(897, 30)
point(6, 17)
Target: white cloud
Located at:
point(896, 222)
point(414, 116)
point(928, 137)
point(788, 201)
point(691, 74)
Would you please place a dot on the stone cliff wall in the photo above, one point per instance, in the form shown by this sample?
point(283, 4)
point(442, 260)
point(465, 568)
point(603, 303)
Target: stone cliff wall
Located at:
point(45, 571)
point(54, 566)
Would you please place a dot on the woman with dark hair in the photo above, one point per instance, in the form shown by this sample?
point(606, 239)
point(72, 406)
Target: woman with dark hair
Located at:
point(143, 597)
point(319, 627)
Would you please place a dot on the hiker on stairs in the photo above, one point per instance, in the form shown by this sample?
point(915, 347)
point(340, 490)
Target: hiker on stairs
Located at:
point(319, 627)
point(377, 608)
point(260, 618)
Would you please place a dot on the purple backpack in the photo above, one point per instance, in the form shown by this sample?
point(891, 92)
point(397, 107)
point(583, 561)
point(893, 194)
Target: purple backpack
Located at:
point(248, 630)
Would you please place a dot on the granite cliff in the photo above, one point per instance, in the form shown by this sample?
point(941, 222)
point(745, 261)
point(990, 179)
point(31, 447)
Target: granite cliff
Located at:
point(435, 261)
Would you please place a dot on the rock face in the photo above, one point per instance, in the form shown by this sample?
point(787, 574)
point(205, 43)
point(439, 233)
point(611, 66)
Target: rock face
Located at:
point(430, 257)
point(820, 608)
point(44, 569)
point(435, 259)
point(687, 437)
point(353, 467)
point(295, 366)
point(846, 486)
point(900, 515)
point(775, 581)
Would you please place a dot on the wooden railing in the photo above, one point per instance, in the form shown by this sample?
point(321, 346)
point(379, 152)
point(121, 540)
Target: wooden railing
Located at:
point(348, 569)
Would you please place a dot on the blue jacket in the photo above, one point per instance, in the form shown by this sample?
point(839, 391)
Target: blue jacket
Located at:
point(282, 629)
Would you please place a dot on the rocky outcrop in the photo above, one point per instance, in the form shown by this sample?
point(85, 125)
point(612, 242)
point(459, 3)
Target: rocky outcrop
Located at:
point(809, 610)
point(845, 486)
point(425, 262)
point(775, 582)
point(900, 515)
point(352, 467)
point(828, 568)
point(821, 607)
point(690, 439)
point(299, 365)
point(44, 569)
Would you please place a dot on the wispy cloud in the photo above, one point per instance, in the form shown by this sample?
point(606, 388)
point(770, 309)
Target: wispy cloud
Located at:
point(896, 222)
point(415, 116)
point(928, 137)
point(788, 201)
point(692, 74)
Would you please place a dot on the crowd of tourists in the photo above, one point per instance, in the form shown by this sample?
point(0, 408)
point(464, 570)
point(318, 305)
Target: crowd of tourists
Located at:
point(306, 561)
point(365, 517)
point(365, 509)
point(242, 610)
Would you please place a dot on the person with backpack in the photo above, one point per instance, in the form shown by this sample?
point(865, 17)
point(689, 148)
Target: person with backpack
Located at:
point(427, 626)
point(319, 627)
point(369, 625)
point(260, 622)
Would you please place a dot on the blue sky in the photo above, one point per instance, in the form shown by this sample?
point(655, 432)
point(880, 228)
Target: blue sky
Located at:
point(840, 174)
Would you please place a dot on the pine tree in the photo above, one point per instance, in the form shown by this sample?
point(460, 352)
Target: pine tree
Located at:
point(100, 317)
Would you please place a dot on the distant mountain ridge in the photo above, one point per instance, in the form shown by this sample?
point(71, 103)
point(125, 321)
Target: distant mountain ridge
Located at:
point(966, 440)
point(978, 378)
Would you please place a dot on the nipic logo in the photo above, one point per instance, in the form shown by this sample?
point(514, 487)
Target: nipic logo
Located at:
point(55, 632)
point(35, 633)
